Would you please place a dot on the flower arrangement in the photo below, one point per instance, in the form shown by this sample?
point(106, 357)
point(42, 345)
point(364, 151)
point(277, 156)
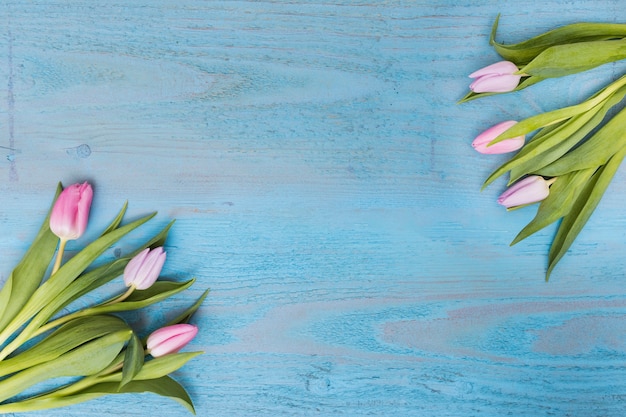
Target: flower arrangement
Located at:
point(94, 347)
point(575, 151)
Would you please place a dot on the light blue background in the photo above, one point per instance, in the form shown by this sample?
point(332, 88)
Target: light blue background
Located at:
point(325, 189)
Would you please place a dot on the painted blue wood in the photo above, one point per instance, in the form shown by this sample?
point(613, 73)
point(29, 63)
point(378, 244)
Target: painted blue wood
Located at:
point(324, 187)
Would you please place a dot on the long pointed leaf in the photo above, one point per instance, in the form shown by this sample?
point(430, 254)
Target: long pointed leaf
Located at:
point(164, 386)
point(523, 52)
point(594, 152)
point(582, 209)
point(66, 274)
point(558, 203)
point(29, 272)
point(160, 290)
point(88, 359)
point(66, 338)
point(133, 360)
point(186, 315)
point(562, 60)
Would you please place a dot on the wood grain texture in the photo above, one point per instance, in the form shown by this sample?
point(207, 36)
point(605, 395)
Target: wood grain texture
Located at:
point(325, 190)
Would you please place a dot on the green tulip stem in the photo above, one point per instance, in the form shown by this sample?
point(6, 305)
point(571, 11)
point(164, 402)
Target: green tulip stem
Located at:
point(121, 297)
point(57, 262)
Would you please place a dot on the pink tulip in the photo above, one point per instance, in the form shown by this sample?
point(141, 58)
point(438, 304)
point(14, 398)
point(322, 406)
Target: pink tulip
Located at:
point(70, 213)
point(495, 78)
point(530, 190)
point(144, 269)
point(170, 339)
point(508, 145)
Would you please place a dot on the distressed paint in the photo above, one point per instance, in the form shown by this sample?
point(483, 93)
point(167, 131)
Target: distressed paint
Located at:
point(325, 188)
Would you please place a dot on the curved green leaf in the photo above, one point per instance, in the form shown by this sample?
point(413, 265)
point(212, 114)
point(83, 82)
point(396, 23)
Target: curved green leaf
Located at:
point(133, 360)
point(523, 52)
point(581, 210)
point(186, 315)
point(558, 203)
point(29, 272)
point(83, 284)
point(164, 386)
point(117, 220)
point(548, 118)
point(87, 359)
point(66, 338)
point(160, 290)
point(65, 275)
point(562, 60)
point(594, 152)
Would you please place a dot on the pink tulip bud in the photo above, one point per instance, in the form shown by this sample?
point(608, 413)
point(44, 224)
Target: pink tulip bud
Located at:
point(144, 269)
point(508, 145)
point(70, 212)
point(495, 78)
point(170, 339)
point(530, 190)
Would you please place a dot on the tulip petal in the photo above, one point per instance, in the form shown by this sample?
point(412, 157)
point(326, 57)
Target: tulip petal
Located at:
point(133, 266)
point(499, 68)
point(170, 339)
point(495, 83)
point(70, 213)
point(481, 142)
point(527, 191)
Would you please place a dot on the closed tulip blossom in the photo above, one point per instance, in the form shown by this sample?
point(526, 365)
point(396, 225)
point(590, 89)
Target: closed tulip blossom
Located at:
point(69, 216)
point(481, 142)
point(530, 190)
point(70, 212)
point(500, 77)
point(170, 339)
point(144, 269)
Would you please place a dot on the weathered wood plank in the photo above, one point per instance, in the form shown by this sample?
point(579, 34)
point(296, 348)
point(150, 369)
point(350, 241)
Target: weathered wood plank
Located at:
point(325, 190)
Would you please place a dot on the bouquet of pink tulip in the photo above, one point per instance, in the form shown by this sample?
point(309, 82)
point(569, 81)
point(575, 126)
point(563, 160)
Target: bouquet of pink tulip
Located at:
point(93, 346)
point(570, 161)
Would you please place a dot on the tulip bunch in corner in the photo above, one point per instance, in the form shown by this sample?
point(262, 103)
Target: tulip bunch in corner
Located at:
point(575, 151)
point(95, 346)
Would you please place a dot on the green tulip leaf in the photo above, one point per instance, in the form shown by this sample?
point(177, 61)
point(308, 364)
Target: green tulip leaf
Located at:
point(65, 275)
point(87, 282)
point(552, 142)
point(185, 316)
point(562, 60)
point(29, 272)
point(546, 119)
point(151, 369)
point(582, 209)
point(133, 360)
point(539, 153)
point(164, 386)
point(117, 220)
point(164, 365)
point(523, 52)
point(558, 203)
point(67, 337)
point(594, 152)
point(160, 290)
point(101, 274)
point(87, 359)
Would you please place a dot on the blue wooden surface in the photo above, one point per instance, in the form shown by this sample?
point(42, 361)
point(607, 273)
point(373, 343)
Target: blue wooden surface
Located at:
point(325, 189)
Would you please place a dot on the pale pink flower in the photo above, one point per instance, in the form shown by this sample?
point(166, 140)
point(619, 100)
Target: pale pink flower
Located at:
point(482, 141)
point(170, 339)
point(500, 77)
